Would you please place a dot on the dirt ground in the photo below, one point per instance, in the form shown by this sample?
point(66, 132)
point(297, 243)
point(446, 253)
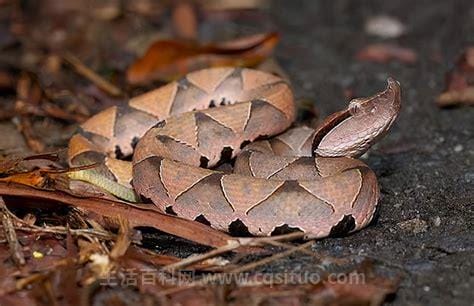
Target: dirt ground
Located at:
point(424, 226)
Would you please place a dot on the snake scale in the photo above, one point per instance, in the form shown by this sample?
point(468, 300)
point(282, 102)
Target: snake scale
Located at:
point(283, 179)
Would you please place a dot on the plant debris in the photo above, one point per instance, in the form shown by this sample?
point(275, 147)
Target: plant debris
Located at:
point(385, 52)
point(167, 60)
point(459, 82)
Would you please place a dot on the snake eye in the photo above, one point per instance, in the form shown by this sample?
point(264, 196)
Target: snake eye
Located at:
point(361, 106)
point(356, 106)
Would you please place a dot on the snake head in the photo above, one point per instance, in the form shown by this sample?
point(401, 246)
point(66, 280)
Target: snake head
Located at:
point(352, 131)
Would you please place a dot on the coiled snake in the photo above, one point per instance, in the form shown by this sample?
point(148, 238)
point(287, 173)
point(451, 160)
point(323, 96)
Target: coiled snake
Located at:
point(301, 179)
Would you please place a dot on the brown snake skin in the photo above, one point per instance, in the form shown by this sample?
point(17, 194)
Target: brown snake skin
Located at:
point(302, 179)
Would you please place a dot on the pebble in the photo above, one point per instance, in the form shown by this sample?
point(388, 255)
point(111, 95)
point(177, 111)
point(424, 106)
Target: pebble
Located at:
point(458, 148)
point(437, 221)
point(385, 26)
point(415, 225)
point(469, 177)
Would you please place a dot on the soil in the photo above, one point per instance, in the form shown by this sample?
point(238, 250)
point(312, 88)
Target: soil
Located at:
point(424, 225)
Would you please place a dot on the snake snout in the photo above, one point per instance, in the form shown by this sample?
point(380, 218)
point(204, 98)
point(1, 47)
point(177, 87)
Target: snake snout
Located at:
point(352, 132)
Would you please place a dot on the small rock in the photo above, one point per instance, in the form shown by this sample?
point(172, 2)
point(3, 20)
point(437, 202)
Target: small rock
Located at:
point(415, 225)
point(437, 221)
point(469, 177)
point(458, 148)
point(216, 261)
point(385, 26)
point(365, 156)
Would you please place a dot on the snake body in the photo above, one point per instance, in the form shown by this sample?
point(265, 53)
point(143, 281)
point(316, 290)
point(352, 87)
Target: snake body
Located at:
point(301, 179)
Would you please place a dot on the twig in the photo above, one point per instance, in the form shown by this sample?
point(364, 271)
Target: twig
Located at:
point(92, 75)
point(123, 239)
point(232, 245)
point(24, 125)
point(264, 240)
point(289, 246)
point(15, 247)
point(274, 257)
point(35, 277)
point(62, 230)
point(75, 232)
point(241, 269)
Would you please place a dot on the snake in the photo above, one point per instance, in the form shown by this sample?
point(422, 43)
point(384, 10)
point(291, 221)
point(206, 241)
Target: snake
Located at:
point(173, 146)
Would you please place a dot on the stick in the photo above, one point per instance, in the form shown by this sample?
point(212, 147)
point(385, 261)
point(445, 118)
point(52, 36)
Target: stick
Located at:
point(241, 269)
point(15, 247)
point(92, 75)
point(232, 245)
point(274, 257)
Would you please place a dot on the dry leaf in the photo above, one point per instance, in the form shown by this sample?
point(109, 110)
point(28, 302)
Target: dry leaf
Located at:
point(385, 52)
point(460, 82)
point(34, 170)
point(169, 59)
point(234, 4)
point(185, 21)
point(123, 240)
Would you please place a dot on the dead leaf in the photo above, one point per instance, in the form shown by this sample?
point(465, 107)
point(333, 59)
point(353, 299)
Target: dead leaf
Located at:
point(169, 59)
point(234, 4)
point(372, 291)
point(33, 178)
point(38, 170)
point(385, 52)
point(7, 224)
point(456, 97)
point(459, 82)
point(123, 240)
point(185, 21)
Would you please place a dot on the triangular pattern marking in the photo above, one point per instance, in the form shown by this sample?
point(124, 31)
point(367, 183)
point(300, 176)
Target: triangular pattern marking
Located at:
point(244, 193)
point(252, 79)
point(296, 138)
point(182, 129)
point(102, 124)
point(157, 102)
point(234, 116)
point(79, 144)
point(265, 166)
point(339, 190)
point(122, 170)
point(209, 79)
point(177, 178)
